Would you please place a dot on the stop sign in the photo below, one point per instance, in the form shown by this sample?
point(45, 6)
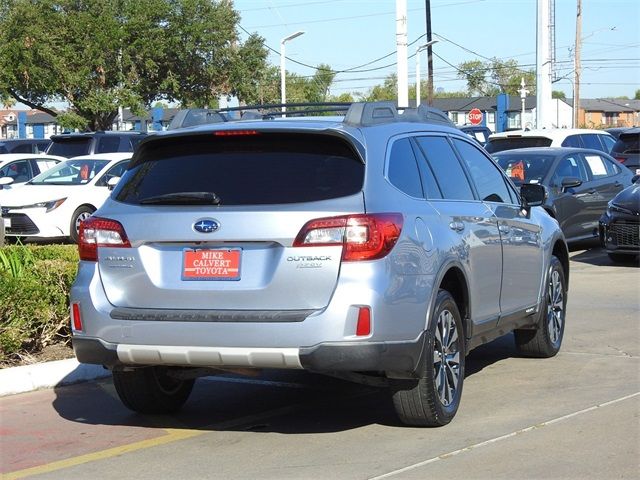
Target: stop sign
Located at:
point(475, 116)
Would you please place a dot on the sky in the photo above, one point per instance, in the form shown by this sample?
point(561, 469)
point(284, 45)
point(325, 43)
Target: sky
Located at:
point(350, 33)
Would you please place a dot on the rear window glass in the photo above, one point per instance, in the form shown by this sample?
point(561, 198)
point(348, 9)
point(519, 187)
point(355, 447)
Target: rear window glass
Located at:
point(70, 147)
point(499, 144)
point(108, 144)
point(627, 143)
point(267, 168)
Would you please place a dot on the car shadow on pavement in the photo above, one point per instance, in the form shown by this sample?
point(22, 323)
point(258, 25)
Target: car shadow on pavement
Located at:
point(292, 402)
point(598, 257)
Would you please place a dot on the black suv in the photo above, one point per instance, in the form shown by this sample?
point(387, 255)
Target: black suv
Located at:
point(76, 144)
point(627, 149)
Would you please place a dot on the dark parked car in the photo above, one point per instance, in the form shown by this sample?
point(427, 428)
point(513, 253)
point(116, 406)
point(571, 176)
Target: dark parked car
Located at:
point(627, 149)
point(191, 117)
point(24, 145)
point(89, 143)
point(616, 131)
point(579, 183)
point(620, 225)
point(477, 132)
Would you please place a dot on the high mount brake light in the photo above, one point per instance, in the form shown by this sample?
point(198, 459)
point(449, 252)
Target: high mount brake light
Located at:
point(234, 133)
point(363, 236)
point(100, 232)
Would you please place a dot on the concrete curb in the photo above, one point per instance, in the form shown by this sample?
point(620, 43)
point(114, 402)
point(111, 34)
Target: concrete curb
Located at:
point(28, 378)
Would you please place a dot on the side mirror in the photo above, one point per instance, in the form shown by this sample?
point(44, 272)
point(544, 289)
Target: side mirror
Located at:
point(6, 180)
point(570, 182)
point(112, 182)
point(533, 195)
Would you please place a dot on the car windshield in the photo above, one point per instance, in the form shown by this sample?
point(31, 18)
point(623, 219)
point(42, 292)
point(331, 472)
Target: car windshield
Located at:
point(71, 172)
point(495, 145)
point(525, 168)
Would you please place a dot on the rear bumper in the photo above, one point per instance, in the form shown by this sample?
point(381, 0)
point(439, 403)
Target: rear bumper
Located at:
point(396, 358)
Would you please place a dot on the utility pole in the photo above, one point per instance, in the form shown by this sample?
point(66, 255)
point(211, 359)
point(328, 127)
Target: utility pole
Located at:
point(429, 55)
point(543, 66)
point(401, 53)
point(576, 82)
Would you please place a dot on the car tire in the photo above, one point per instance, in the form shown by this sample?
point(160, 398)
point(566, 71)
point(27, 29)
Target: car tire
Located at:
point(151, 390)
point(432, 400)
point(81, 214)
point(622, 257)
point(546, 339)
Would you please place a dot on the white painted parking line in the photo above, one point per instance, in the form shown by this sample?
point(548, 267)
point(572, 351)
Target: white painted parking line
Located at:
point(503, 437)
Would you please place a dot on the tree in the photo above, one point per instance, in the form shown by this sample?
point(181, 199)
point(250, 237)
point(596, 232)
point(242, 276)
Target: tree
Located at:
point(100, 54)
point(495, 76)
point(558, 94)
point(387, 91)
point(637, 95)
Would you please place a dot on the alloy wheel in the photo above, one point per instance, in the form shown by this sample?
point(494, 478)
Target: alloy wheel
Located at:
point(446, 358)
point(555, 307)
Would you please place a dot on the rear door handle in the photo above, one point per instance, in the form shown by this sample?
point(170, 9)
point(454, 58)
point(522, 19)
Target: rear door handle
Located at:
point(457, 226)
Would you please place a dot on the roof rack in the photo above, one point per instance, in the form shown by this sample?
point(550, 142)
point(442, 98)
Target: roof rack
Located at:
point(376, 113)
point(358, 114)
point(273, 110)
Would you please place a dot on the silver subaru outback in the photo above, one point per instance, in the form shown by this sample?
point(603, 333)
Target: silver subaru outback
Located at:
point(381, 247)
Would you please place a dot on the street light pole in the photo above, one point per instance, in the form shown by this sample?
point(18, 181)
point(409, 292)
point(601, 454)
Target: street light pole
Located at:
point(283, 76)
point(420, 49)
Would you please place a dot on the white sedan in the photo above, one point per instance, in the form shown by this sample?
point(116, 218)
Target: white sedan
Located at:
point(54, 203)
point(18, 168)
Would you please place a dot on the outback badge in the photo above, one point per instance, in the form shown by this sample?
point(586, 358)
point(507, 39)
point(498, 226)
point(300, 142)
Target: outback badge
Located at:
point(206, 225)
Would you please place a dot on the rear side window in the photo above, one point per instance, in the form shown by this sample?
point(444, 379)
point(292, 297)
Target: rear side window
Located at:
point(447, 170)
point(608, 142)
point(260, 169)
point(591, 140)
point(70, 147)
point(403, 170)
point(572, 141)
point(499, 144)
point(599, 167)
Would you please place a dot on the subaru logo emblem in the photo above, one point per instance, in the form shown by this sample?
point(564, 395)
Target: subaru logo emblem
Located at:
point(206, 226)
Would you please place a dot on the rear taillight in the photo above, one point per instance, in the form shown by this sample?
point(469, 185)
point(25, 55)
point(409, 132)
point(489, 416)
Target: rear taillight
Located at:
point(620, 159)
point(100, 232)
point(364, 237)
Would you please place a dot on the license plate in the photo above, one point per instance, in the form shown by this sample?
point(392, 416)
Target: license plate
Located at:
point(7, 222)
point(211, 264)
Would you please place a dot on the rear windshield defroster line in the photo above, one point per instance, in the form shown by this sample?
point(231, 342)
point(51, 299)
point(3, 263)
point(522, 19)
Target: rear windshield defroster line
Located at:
point(268, 168)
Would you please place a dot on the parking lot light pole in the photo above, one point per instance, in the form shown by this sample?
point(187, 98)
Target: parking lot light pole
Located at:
point(420, 49)
point(283, 87)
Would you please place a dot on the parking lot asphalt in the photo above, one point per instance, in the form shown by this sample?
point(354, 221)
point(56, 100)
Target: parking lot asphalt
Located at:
point(576, 415)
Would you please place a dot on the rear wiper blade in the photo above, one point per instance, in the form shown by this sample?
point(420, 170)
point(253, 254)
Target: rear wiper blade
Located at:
point(183, 198)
